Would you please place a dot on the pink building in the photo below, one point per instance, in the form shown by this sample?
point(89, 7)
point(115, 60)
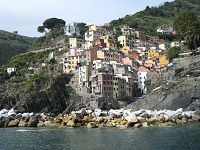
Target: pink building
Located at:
point(101, 84)
point(73, 52)
point(127, 61)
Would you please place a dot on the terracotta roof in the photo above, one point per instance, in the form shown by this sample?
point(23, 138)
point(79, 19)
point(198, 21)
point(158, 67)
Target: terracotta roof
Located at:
point(143, 69)
point(154, 58)
point(147, 65)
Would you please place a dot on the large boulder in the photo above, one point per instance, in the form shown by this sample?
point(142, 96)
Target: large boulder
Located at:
point(92, 125)
point(13, 123)
point(33, 121)
point(77, 117)
point(6, 120)
point(22, 123)
point(71, 123)
point(1, 124)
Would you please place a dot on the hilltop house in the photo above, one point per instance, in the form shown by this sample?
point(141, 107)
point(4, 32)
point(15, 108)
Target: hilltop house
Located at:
point(71, 29)
point(11, 69)
point(165, 29)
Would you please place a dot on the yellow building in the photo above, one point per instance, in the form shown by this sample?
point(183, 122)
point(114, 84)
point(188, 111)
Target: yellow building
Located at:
point(162, 64)
point(75, 42)
point(126, 50)
point(70, 63)
point(153, 53)
point(92, 27)
point(109, 41)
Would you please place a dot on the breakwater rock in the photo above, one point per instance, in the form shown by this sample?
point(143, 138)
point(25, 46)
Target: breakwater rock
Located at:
point(121, 118)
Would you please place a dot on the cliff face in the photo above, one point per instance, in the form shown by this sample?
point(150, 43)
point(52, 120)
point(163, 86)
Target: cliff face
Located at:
point(54, 99)
point(180, 87)
point(186, 95)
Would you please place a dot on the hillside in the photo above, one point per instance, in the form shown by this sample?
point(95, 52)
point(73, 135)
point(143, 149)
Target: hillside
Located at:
point(12, 44)
point(152, 17)
point(39, 88)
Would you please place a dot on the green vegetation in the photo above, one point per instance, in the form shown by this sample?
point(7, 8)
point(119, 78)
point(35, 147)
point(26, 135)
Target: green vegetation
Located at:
point(51, 24)
point(173, 86)
point(178, 72)
point(22, 61)
point(12, 44)
point(173, 53)
point(184, 22)
point(53, 28)
point(152, 17)
point(83, 28)
point(187, 26)
point(37, 82)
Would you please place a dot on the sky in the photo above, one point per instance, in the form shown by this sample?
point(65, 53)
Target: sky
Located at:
point(25, 16)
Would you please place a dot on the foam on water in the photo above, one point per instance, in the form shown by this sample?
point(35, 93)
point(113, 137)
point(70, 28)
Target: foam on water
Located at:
point(22, 130)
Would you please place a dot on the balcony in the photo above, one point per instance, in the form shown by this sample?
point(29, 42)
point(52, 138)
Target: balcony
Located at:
point(94, 84)
point(97, 91)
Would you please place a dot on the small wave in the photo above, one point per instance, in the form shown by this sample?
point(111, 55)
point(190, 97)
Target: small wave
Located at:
point(21, 130)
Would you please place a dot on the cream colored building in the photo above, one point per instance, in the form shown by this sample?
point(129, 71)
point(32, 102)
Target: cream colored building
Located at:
point(76, 43)
point(165, 29)
point(126, 30)
point(94, 32)
point(126, 41)
point(71, 62)
point(175, 44)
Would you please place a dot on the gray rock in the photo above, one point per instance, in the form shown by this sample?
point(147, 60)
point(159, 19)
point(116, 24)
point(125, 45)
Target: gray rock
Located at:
point(1, 124)
point(33, 121)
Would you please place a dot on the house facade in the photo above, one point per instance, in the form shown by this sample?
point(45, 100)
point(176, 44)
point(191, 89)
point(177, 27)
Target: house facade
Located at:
point(71, 29)
point(142, 75)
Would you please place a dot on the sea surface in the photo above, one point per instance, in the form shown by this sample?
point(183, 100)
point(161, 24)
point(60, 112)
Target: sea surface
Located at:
point(178, 137)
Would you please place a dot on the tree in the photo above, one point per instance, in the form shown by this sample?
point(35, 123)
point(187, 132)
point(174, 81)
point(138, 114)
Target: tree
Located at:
point(82, 27)
point(185, 22)
point(41, 29)
point(173, 53)
point(119, 45)
point(192, 36)
point(51, 24)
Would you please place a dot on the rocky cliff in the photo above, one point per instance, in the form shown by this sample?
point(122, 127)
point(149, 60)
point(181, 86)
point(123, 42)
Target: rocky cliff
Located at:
point(56, 98)
point(180, 87)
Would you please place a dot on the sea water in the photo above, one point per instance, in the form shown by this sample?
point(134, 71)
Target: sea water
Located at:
point(178, 137)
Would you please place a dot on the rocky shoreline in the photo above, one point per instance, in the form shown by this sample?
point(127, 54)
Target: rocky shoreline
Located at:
point(98, 118)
